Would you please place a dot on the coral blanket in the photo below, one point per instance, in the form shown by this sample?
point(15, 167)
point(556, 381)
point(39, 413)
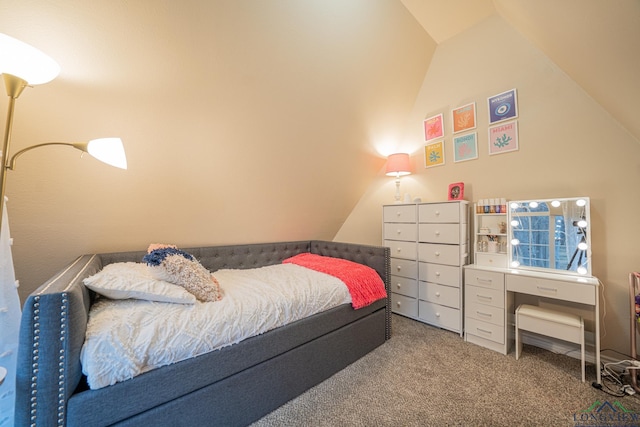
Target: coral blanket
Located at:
point(364, 283)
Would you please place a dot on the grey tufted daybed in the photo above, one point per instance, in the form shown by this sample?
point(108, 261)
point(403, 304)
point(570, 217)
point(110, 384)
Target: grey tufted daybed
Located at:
point(235, 385)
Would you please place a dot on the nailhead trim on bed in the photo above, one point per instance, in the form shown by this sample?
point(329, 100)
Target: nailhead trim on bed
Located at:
point(34, 359)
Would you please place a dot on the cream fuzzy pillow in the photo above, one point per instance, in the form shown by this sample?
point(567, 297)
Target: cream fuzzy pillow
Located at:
point(175, 266)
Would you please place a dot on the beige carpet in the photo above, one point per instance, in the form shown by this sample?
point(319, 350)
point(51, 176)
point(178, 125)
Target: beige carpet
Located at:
point(425, 376)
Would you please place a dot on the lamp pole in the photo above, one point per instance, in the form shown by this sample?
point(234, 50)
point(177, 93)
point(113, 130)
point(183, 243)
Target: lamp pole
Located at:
point(15, 86)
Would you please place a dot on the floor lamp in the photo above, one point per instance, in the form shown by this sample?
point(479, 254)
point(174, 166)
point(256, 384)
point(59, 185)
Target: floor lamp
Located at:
point(22, 65)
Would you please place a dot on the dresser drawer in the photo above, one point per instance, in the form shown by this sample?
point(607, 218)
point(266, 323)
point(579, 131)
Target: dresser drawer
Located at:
point(439, 233)
point(485, 330)
point(439, 315)
point(404, 267)
point(400, 231)
point(486, 296)
point(568, 290)
point(404, 286)
point(439, 294)
point(440, 212)
point(404, 305)
point(485, 279)
point(485, 313)
point(439, 273)
point(406, 250)
point(491, 259)
point(439, 254)
point(399, 213)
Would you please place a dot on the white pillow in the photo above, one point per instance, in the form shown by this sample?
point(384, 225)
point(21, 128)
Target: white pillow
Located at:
point(124, 280)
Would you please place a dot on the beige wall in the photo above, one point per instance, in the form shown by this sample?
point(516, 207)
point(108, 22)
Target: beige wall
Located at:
point(569, 146)
point(243, 120)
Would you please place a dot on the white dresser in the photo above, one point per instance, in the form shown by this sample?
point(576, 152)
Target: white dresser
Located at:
point(429, 246)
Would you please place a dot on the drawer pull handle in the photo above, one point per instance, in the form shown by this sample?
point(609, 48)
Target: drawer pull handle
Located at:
point(437, 213)
point(399, 250)
point(484, 330)
point(437, 253)
point(398, 285)
point(437, 274)
point(437, 233)
point(480, 313)
point(398, 303)
point(484, 297)
point(437, 314)
point(543, 288)
point(438, 294)
point(399, 268)
point(482, 279)
point(398, 214)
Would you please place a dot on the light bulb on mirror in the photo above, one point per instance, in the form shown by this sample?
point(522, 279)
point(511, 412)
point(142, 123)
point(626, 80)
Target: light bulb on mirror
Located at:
point(533, 205)
point(555, 203)
point(515, 264)
point(583, 246)
point(582, 270)
point(515, 223)
point(582, 223)
point(514, 206)
point(515, 242)
point(581, 202)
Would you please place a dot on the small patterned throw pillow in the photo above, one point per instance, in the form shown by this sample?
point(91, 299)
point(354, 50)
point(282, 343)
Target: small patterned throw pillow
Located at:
point(166, 262)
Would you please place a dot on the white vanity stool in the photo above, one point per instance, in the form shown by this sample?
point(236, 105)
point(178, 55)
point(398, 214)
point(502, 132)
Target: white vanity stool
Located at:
point(564, 326)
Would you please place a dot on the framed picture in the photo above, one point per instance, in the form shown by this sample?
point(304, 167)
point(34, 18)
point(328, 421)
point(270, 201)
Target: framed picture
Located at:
point(434, 154)
point(433, 128)
point(456, 191)
point(465, 147)
point(464, 118)
point(503, 138)
point(503, 106)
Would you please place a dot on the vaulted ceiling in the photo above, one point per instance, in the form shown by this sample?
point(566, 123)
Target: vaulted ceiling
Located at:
point(578, 35)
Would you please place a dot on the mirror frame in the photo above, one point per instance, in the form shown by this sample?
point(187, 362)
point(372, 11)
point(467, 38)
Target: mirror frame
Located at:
point(585, 231)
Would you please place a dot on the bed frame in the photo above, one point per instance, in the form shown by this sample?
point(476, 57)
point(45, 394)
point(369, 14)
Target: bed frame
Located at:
point(232, 386)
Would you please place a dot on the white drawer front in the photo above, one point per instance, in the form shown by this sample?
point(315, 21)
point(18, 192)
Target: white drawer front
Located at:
point(439, 233)
point(440, 212)
point(404, 305)
point(439, 254)
point(491, 259)
point(399, 213)
point(486, 313)
point(439, 273)
point(486, 296)
point(439, 315)
point(440, 294)
point(404, 267)
point(404, 286)
point(485, 279)
point(485, 330)
point(569, 290)
point(400, 231)
point(406, 250)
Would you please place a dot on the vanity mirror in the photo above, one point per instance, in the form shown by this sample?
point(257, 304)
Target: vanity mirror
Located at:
point(551, 234)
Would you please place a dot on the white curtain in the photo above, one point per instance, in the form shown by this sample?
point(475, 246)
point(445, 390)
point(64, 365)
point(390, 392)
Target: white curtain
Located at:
point(9, 323)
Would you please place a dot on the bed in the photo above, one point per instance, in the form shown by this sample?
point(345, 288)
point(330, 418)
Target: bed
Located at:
point(231, 385)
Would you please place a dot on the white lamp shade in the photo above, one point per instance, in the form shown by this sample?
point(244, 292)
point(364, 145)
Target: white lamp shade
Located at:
point(25, 61)
point(398, 164)
point(109, 151)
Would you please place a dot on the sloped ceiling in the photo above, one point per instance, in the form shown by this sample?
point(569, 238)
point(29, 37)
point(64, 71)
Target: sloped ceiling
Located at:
point(596, 43)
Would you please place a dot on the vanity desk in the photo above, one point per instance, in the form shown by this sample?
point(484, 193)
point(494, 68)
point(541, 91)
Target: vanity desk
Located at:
point(492, 295)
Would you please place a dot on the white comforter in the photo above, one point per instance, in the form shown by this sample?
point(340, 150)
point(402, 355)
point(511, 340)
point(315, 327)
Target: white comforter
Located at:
point(128, 337)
